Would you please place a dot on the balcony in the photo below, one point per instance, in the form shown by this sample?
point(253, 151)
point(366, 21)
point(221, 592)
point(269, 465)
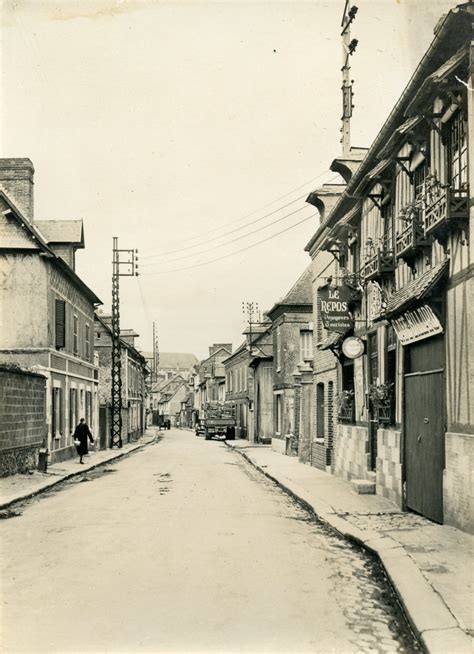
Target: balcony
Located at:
point(445, 208)
point(411, 240)
point(380, 264)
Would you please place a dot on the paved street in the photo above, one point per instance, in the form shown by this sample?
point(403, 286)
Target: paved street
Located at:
point(184, 547)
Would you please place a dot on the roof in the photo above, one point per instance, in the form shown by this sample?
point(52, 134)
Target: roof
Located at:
point(452, 33)
point(241, 348)
point(415, 290)
point(299, 294)
point(39, 239)
point(174, 360)
point(123, 343)
point(62, 231)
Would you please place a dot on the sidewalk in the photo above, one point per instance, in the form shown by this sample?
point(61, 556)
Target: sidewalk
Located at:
point(430, 565)
point(21, 487)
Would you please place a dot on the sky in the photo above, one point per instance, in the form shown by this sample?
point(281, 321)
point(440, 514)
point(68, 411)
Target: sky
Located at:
point(194, 131)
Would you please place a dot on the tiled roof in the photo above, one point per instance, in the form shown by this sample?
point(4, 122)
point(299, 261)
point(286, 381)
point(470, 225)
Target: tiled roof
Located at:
point(302, 291)
point(62, 231)
point(174, 360)
point(415, 290)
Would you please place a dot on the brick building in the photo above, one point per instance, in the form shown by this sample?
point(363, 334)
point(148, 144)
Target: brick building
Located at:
point(239, 388)
point(134, 374)
point(47, 311)
point(292, 330)
point(23, 428)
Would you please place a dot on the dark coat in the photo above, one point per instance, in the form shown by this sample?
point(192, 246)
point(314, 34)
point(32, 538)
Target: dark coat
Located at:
point(81, 434)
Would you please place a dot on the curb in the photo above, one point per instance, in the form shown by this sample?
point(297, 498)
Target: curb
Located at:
point(50, 484)
point(434, 625)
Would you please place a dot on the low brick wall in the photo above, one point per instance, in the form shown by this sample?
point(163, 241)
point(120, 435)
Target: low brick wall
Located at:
point(389, 467)
point(22, 419)
point(351, 452)
point(457, 482)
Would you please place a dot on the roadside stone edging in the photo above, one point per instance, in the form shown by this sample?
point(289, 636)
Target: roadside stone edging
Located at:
point(434, 625)
point(51, 483)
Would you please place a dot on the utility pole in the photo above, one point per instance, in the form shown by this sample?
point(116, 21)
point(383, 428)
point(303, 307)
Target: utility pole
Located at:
point(250, 309)
point(156, 352)
point(348, 49)
point(124, 264)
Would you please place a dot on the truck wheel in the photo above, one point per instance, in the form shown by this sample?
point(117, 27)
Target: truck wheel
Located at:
point(207, 436)
point(230, 434)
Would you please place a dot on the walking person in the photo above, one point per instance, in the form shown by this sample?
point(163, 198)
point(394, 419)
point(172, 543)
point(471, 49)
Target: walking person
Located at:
point(81, 436)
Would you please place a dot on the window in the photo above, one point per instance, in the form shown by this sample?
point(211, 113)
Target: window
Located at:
point(388, 231)
point(75, 334)
point(60, 324)
point(278, 347)
point(57, 412)
point(319, 320)
point(306, 344)
point(346, 400)
point(388, 416)
point(457, 151)
point(72, 409)
point(88, 342)
point(373, 358)
point(88, 407)
point(278, 414)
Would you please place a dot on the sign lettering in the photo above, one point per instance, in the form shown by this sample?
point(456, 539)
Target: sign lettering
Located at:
point(416, 325)
point(334, 306)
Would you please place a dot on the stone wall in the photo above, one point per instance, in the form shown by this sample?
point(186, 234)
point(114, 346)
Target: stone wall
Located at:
point(352, 452)
point(22, 419)
point(457, 483)
point(389, 467)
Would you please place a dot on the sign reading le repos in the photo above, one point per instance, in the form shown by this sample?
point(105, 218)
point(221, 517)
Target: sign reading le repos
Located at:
point(335, 308)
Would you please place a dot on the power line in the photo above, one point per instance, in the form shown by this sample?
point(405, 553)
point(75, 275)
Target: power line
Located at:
point(233, 240)
point(232, 231)
point(231, 254)
point(251, 213)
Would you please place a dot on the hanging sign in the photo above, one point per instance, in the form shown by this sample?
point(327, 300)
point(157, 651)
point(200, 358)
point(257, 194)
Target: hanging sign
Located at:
point(416, 325)
point(334, 306)
point(353, 347)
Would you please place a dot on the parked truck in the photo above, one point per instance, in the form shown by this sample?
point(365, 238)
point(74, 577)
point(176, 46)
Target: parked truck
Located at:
point(217, 420)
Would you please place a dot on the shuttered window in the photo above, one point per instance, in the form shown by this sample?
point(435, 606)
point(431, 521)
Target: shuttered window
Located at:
point(60, 323)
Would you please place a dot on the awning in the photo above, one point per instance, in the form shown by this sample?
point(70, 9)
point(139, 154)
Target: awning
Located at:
point(414, 291)
point(397, 136)
point(379, 168)
point(333, 340)
point(439, 76)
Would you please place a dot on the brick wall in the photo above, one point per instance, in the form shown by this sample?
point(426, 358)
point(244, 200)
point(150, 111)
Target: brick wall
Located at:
point(22, 419)
point(388, 466)
point(16, 177)
point(322, 447)
point(457, 482)
point(351, 452)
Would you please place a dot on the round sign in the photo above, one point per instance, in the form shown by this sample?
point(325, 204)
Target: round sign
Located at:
point(353, 347)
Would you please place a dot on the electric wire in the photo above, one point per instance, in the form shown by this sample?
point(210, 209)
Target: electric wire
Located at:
point(232, 231)
point(231, 254)
point(233, 240)
point(251, 213)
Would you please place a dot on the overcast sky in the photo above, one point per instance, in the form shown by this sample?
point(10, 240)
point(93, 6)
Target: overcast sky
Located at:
point(170, 124)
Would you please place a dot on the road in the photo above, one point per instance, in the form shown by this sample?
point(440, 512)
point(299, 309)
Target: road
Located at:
point(184, 547)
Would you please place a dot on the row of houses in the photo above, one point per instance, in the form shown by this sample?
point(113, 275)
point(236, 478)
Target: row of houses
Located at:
point(363, 369)
point(55, 345)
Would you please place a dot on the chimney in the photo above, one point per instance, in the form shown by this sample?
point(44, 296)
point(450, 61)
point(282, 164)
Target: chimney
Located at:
point(16, 179)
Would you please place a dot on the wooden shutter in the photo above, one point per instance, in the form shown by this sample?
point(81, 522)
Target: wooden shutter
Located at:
point(60, 320)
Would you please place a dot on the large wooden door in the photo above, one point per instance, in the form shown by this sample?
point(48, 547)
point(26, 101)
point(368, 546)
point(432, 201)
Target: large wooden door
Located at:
point(424, 434)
